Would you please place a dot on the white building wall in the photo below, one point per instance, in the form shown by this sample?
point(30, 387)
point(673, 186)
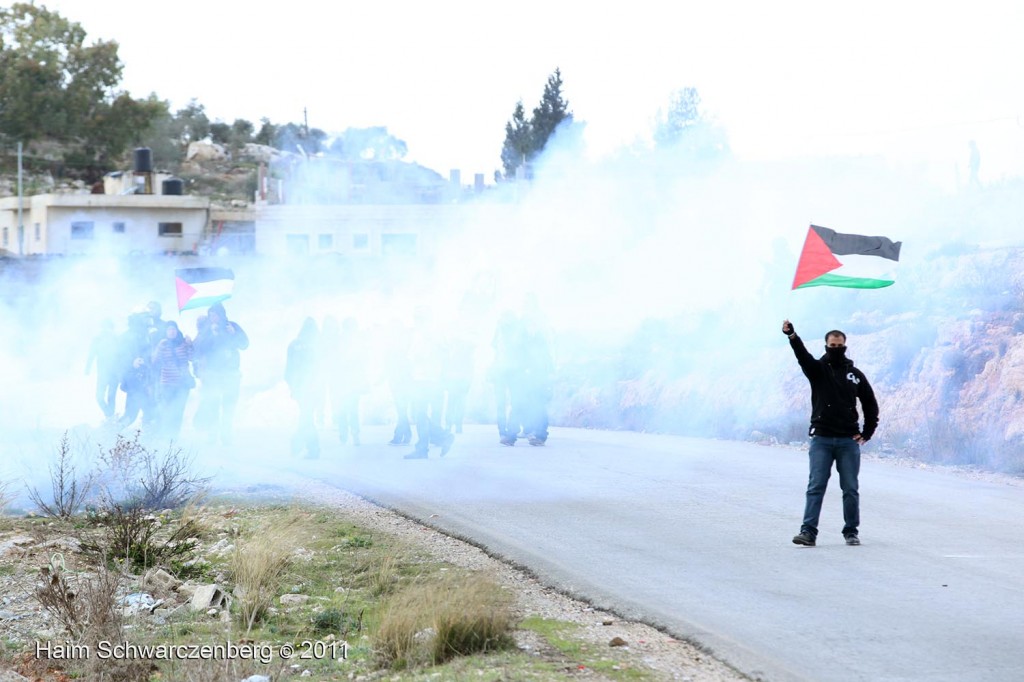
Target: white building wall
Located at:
point(352, 230)
point(77, 224)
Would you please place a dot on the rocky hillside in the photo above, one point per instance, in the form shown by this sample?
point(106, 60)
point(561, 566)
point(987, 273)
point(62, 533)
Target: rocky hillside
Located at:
point(944, 350)
point(208, 170)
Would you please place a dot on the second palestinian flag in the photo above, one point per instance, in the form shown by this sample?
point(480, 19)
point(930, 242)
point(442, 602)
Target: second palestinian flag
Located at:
point(831, 259)
point(202, 287)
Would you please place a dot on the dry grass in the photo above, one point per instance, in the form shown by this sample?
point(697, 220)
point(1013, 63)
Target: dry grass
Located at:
point(258, 564)
point(384, 574)
point(86, 605)
point(433, 622)
point(5, 495)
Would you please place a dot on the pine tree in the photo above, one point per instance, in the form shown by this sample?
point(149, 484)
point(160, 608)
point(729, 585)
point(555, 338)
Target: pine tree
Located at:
point(550, 113)
point(524, 140)
point(518, 147)
point(682, 116)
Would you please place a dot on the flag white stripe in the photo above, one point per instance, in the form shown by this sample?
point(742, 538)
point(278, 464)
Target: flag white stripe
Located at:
point(217, 287)
point(866, 267)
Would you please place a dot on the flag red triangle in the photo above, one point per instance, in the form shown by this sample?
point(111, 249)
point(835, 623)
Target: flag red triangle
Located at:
point(815, 260)
point(185, 292)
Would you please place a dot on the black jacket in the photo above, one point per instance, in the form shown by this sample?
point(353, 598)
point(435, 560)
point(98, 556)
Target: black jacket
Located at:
point(834, 393)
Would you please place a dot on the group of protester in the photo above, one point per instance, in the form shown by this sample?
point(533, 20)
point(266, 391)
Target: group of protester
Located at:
point(156, 366)
point(429, 371)
point(326, 366)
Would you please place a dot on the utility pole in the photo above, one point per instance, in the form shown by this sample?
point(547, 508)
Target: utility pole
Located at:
point(21, 224)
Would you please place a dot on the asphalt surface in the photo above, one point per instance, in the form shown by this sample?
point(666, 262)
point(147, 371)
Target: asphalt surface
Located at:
point(694, 536)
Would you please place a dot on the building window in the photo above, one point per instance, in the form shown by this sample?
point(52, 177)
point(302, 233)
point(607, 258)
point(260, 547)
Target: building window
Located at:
point(297, 244)
point(38, 231)
point(398, 244)
point(82, 230)
point(169, 229)
point(118, 228)
point(325, 241)
point(360, 241)
point(5, 238)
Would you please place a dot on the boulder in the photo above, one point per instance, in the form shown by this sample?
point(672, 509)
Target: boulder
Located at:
point(209, 596)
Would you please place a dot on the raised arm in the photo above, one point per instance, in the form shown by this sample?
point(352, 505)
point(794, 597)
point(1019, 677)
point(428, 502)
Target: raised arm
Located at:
point(807, 362)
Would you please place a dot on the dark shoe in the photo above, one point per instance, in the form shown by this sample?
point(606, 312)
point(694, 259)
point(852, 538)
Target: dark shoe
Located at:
point(508, 440)
point(446, 444)
point(536, 441)
point(804, 538)
point(852, 539)
point(416, 454)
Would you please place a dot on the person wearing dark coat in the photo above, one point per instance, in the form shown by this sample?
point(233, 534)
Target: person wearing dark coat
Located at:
point(303, 375)
point(426, 361)
point(505, 376)
point(344, 362)
point(535, 381)
point(835, 431)
point(173, 379)
point(399, 378)
point(218, 367)
point(134, 358)
point(103, 353)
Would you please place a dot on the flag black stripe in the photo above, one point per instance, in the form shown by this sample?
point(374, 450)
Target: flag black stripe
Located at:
point(193, 275)
point(846, 244)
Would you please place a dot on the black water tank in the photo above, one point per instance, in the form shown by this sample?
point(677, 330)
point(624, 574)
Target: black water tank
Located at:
point(173, 187)
point(143, 160)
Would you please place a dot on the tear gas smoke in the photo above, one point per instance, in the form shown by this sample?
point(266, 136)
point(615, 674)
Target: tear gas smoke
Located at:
point(662, 282)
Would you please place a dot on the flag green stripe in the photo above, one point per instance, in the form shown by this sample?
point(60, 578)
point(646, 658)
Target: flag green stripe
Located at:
point(831, 280)
point(204, 301)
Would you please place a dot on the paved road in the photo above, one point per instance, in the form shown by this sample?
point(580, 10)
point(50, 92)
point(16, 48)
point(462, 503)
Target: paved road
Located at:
point(694, 536)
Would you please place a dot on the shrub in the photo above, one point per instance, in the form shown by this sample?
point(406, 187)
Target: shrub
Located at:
point(69, 492)
point(337, 621)
point(132, 535)
point(257, 566)
point(436, 621)
point(136, 476)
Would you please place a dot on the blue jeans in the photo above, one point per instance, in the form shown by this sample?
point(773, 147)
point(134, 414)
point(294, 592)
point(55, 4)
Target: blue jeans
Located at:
point(845, 452)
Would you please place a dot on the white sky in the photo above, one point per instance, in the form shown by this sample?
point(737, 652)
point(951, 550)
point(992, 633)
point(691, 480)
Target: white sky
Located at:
point(912, 80)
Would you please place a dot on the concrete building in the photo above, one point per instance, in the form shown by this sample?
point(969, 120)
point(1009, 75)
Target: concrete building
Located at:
point(354, 230)
point(356, 210)
point(79, 224)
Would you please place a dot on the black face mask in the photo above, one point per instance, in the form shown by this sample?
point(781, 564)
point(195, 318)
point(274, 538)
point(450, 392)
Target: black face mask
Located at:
point(836, 354)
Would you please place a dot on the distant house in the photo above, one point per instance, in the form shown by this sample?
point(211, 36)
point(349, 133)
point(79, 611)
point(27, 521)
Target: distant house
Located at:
point(304, 206)
point(80, 224)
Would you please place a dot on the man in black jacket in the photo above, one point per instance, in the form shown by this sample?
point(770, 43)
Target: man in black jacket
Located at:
point(835, 432)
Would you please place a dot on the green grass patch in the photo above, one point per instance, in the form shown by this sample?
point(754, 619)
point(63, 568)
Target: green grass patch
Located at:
point(560, 635)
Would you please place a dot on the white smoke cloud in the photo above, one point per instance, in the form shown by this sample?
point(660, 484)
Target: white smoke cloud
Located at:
point(660, 277)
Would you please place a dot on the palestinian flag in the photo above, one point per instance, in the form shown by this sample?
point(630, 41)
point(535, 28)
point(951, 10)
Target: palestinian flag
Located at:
point(831, 259)
point(202, 287)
